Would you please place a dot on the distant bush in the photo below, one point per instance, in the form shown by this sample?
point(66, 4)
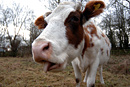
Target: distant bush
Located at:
point(120, 52)
point(5, 54)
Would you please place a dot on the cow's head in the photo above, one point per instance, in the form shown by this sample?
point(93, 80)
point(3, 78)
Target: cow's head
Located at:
point(63, 36)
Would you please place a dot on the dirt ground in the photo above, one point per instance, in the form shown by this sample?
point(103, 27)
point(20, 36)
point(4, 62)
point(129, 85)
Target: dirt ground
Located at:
point(24, 72)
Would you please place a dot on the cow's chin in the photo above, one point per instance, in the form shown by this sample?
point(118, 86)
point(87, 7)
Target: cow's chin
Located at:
point(54, 67)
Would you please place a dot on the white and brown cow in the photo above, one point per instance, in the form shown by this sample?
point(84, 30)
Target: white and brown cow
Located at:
point(70, 35)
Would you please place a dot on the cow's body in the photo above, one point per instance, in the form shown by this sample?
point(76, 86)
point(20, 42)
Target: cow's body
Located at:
point(69, 36)
point(97, 53)
point(97, 46)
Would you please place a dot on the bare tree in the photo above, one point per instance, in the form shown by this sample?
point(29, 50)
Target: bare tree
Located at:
point(17, 17)
point(118, 19)
point(107, 25)
point(54, 3)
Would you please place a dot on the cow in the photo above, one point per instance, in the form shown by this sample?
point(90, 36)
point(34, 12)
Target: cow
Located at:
point(71, 36)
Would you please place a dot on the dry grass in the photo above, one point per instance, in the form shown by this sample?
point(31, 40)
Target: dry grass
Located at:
point(23, 72)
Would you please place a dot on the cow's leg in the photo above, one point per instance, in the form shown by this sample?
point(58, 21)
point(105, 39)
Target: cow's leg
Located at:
point(86, 75)
point(101, 76)
point(92, 73)
point(85, 78)
point(77, 73)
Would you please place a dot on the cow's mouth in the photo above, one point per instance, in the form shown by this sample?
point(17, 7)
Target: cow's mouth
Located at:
point(49, 66)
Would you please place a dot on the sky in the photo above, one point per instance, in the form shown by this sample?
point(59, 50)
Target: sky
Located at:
point(35, 5)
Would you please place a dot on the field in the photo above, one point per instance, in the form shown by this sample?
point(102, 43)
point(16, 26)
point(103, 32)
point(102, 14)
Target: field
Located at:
point(23, 72)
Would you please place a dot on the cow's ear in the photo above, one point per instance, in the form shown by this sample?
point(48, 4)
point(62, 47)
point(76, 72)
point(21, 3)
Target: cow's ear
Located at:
point(93, 8)
point(40, 22)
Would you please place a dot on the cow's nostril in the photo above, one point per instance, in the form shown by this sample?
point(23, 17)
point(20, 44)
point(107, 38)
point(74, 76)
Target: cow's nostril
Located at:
point(42, 61)
point(46, 47)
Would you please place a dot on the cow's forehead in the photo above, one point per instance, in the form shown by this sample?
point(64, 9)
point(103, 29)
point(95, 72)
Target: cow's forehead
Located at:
point(62, 11)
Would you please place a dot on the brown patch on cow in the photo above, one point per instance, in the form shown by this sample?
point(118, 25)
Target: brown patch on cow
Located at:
point(87, 43)
point(93, 30)
point(103, 35)
point(40, 22)
point(107, 41)
point(74, 29)
point(90, 11)
point(107, 52)
point(102, 51)
point(86, 30)
point(92, 45)
point(88, 40)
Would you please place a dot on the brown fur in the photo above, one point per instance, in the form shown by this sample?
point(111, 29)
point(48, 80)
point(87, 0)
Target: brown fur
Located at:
point(87, 43)
point(102, 51)
point(103, 35)
point(107, 53)
point(88, 40)
point(74, 29)
point(94, 30)
point(40, 22)
point(107, 41)
point(90, 11)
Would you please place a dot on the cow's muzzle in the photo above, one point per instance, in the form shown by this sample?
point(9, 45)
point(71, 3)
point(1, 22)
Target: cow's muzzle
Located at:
point(41, 51)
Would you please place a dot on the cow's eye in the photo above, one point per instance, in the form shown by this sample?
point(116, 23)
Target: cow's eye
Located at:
point(74, 18)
